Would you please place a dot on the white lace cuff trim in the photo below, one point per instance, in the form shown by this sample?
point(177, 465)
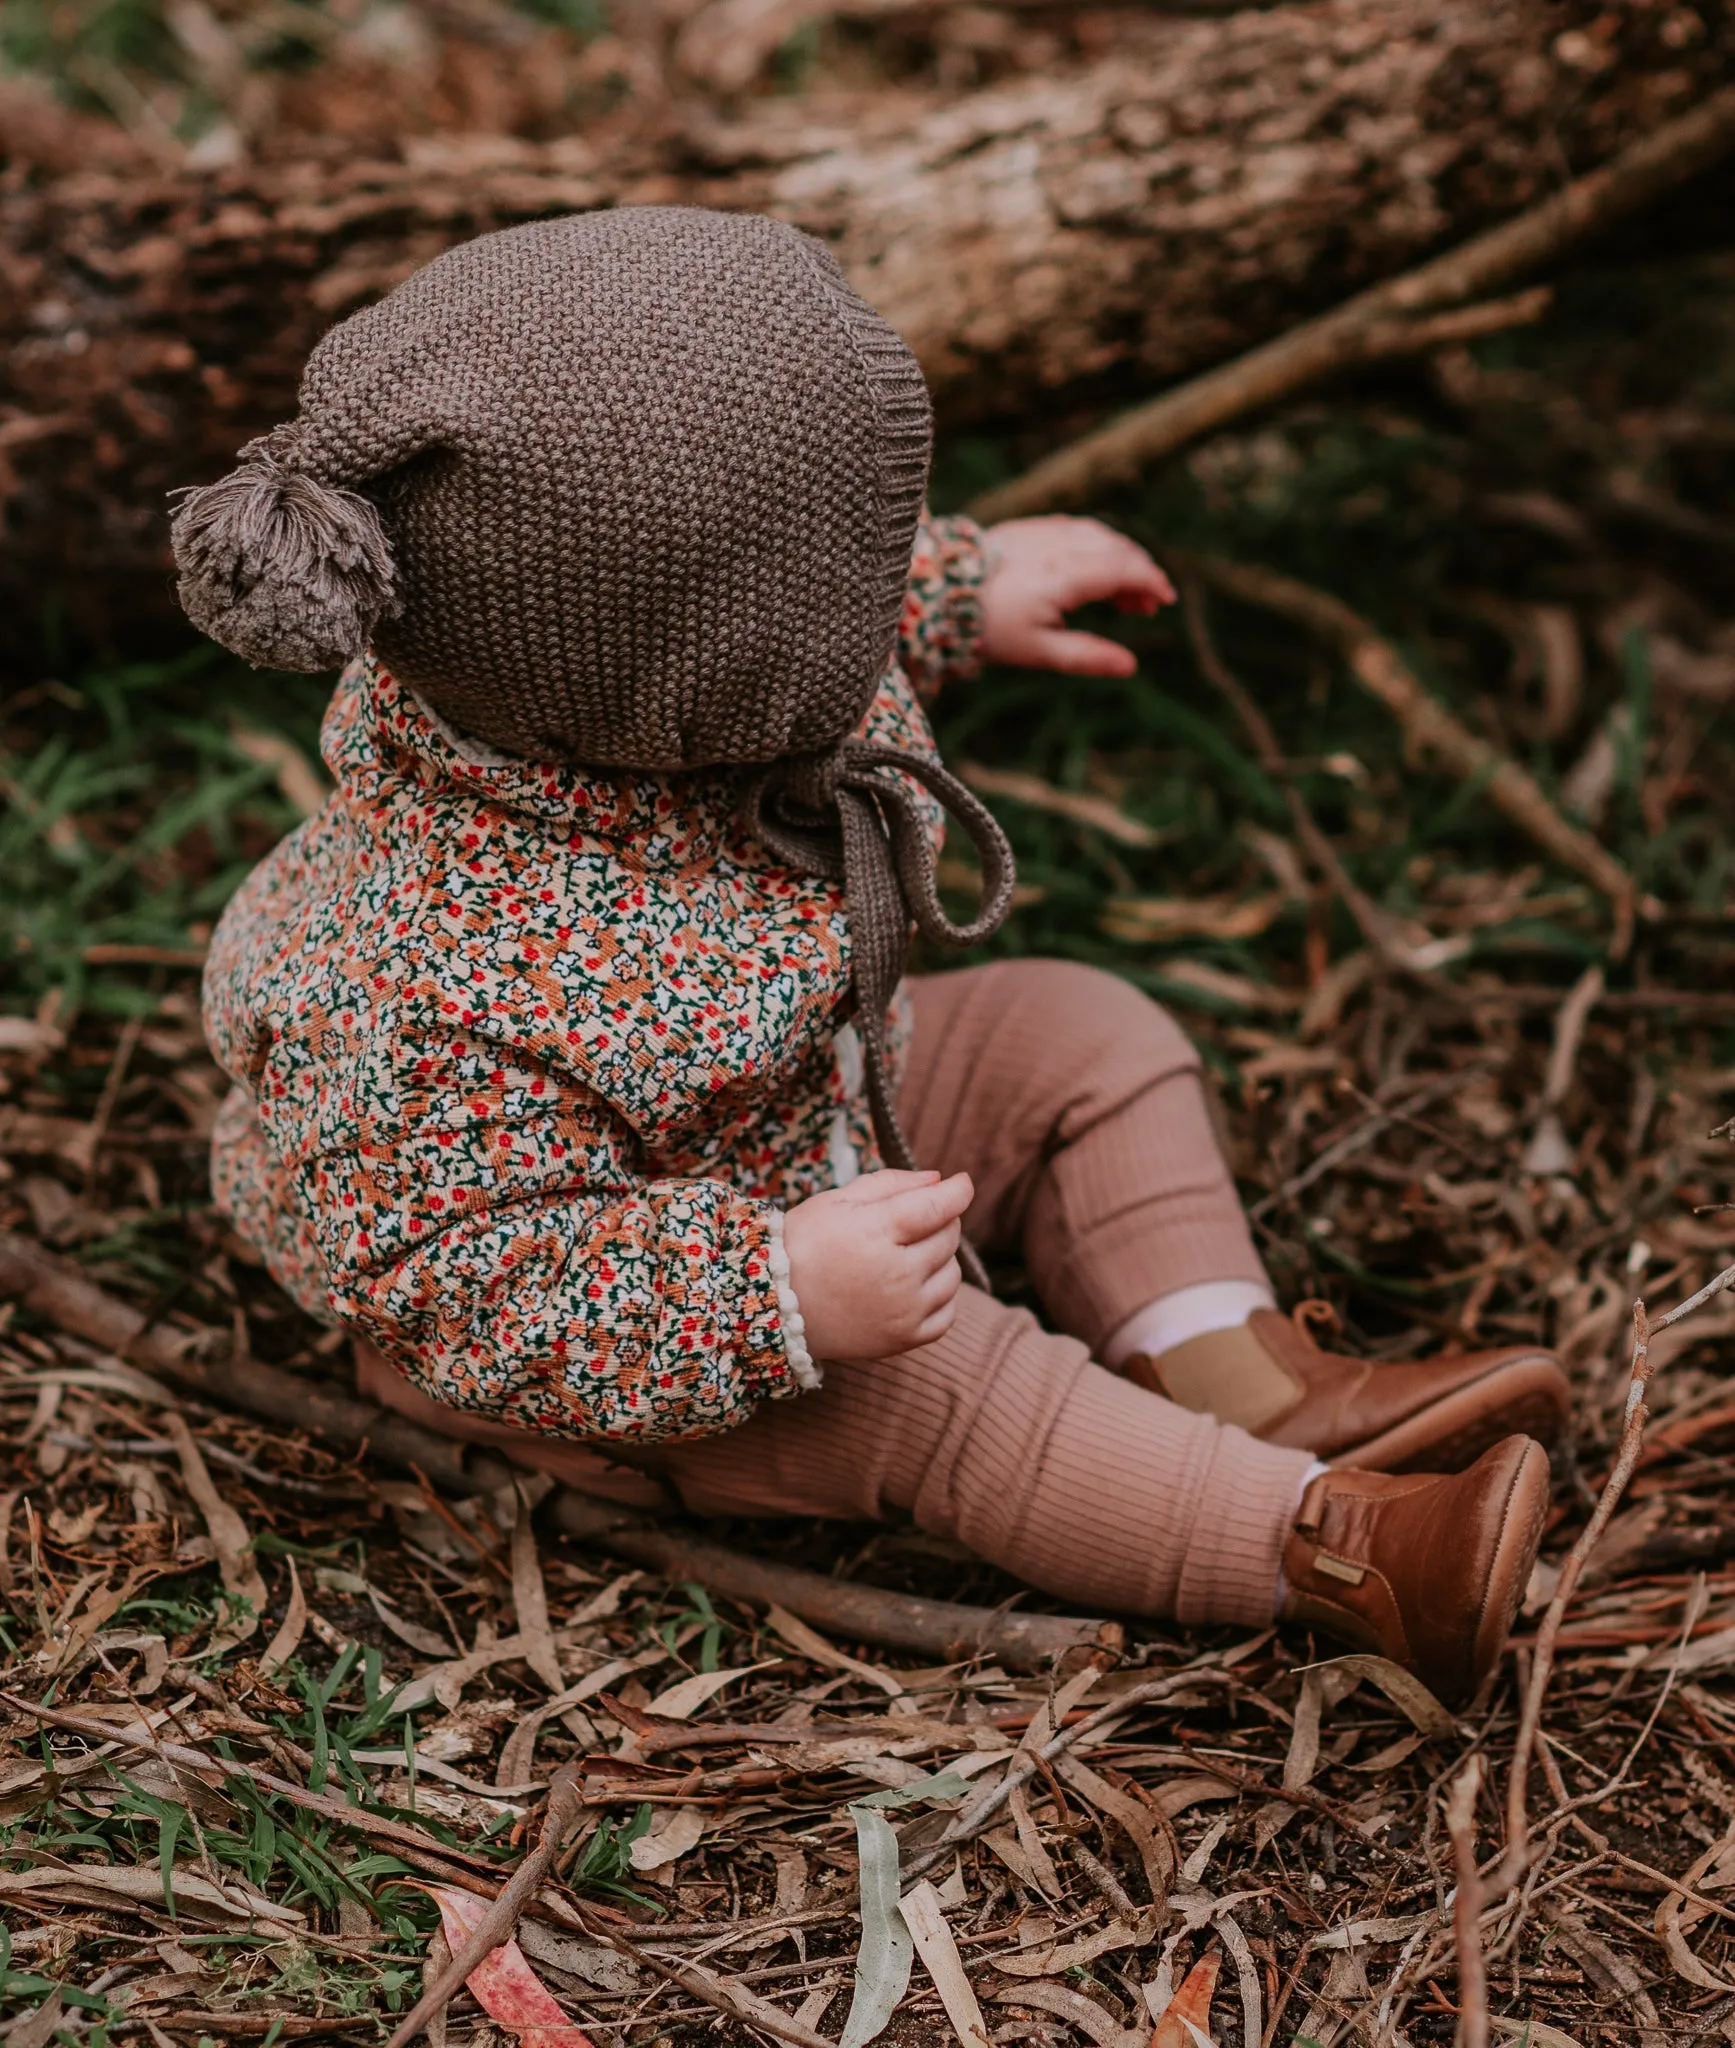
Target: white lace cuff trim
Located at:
point(789, 1311)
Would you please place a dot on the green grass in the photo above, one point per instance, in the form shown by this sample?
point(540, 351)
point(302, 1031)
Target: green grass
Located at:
point(140, 63)
point(298, 1859)
point(134, 815)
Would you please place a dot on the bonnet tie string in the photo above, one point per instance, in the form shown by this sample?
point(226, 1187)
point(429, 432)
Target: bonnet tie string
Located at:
point(852, 817)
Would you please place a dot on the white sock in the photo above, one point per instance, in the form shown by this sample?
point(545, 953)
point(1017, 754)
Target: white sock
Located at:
point(1187, 1313)
point(1307, 1478)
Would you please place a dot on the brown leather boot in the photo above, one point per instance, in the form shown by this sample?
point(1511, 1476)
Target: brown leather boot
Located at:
point(1271, 1377)
point(1426, 1568)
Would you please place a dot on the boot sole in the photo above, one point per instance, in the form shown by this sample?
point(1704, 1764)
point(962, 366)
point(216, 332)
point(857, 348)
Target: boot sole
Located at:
point(1514, 1556)
point(1525, 1397)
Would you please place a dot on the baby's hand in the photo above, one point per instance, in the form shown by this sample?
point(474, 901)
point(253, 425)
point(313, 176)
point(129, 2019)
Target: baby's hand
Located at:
point(874, 1264)
point(1040, 569)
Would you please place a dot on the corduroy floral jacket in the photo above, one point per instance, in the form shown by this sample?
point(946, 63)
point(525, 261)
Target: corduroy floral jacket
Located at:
point(529, 1059)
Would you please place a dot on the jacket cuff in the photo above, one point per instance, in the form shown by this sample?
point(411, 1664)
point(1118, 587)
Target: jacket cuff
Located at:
point(940, 638)
point(801, 1363)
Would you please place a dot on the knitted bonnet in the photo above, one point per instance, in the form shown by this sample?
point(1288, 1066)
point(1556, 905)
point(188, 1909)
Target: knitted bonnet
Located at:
point(633, 489)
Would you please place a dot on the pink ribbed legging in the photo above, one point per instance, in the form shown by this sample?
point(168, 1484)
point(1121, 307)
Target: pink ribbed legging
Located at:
point(1075, 1104)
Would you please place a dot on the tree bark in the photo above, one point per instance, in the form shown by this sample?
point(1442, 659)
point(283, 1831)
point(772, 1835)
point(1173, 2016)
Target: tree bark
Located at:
point(1041, 243)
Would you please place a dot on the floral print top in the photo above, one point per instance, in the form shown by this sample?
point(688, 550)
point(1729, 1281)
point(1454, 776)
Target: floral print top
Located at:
point(529, 1059)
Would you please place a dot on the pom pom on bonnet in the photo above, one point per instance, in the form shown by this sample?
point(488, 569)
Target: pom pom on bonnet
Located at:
point(635, 489)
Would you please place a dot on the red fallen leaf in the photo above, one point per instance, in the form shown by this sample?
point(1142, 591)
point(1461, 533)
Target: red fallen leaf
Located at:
point(505, 1986)
point(1186, 2019)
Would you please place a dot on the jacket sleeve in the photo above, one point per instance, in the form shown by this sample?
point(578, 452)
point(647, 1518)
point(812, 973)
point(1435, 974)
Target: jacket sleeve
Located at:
point(498, 1245)
point(940, 635)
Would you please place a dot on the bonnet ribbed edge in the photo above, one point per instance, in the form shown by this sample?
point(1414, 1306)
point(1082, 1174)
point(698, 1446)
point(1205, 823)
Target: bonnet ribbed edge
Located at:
point(905, 440)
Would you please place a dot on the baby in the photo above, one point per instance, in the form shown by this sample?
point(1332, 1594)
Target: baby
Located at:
point(575, 1066)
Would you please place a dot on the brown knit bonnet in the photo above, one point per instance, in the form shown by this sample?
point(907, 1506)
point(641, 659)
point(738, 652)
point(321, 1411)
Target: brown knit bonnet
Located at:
point(633, 489)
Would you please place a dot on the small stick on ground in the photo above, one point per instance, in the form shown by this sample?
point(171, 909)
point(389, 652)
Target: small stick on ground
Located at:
point(843, 1608)
point(200, 1360)
point(1385, 320)
point(1104, 1883)
point(497, 1926)
point(1516, 1855)
point(1569, 1024)
point(89, 1142)
point(1467, 1908)
point(1548, 1147)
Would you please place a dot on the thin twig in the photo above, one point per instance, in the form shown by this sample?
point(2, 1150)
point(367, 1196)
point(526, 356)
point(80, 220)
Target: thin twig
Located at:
point(1428, 727)
point(1548, 1634)
point(1374, 924)
point(88, 1144)
point(1359, 1137)
point(1548, 1143)
point(497, 1925)
point(1104, 1883)
point(1351, 332)
point(1569, 1023)
point(1467, 1908)
point(1513, 1861)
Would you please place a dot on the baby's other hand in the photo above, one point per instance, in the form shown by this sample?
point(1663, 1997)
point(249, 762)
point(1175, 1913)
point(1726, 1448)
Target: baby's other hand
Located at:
point(874, 1264)
point(1040, 569)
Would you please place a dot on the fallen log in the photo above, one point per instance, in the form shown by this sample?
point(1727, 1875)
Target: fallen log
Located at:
point(1121, 221)
point(201, 1361)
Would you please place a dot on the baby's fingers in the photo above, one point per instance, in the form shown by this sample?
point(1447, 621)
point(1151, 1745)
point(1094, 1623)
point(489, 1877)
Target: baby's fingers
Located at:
point(887, 1184)
point(1100, 563)
point(930, 1254)
point(921, 1212)
point(1080, 654)
point(936, 1323)
point(939, 1287)
point(1146, 591)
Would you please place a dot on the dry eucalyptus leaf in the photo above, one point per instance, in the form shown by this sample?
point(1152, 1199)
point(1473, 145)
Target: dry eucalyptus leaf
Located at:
point(1185, 2020)
point(809, 1643)
point(885, 1953)
point(229, 1533)
point(1178, 1795)
point(1055, 1959)
point(592, 1961)
point(1403, 1688)
point(112, 1884)
point(673, 1831)
point(686, 1696)
point(287, 1640)
point(925, 1917)
point(1531, 2033)
point(530, 1595)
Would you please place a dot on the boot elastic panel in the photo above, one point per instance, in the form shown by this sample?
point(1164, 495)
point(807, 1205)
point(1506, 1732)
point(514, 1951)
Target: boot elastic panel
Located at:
point(1230, 1374)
